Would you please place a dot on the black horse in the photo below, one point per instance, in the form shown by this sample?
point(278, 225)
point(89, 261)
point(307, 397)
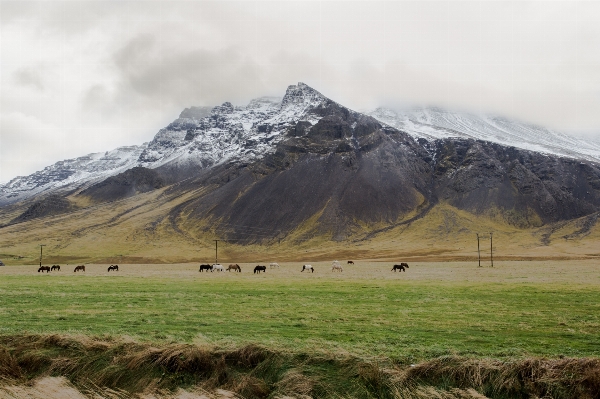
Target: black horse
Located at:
point(400, 267)
point(44, 269)
point(55, 267)
point(259, 268)
point(113, 267)
point(205, 267)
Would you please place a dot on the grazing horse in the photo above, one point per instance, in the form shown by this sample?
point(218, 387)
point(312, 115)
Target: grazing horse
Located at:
point(113, 267)
point(260, 268)
point(79, 268)
point(235, 268)
point(205, 267)
point(350, 262)
point(400, 267)
point(218, 267)
point(308, 267)
point(44, 269)
point(274, 265)
point(55, 267)
point(335, 265)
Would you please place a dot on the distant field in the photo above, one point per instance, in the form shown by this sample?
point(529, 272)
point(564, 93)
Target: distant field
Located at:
point(514, 309)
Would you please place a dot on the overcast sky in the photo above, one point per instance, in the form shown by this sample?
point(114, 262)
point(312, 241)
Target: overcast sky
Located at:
point(81, 77)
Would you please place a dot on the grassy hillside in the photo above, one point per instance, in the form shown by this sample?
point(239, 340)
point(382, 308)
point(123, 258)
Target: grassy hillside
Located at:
point(152, 228)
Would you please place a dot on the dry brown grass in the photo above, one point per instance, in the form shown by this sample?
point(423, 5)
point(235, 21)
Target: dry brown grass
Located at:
point(66, 367)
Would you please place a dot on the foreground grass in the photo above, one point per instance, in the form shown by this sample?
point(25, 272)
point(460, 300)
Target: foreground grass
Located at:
point(395, 317)
point(124, 369)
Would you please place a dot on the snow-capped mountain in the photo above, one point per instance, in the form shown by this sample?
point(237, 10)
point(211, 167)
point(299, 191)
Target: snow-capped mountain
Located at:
point(309, 162)
point(203, 139)
point(436, 123)
point(229, 133)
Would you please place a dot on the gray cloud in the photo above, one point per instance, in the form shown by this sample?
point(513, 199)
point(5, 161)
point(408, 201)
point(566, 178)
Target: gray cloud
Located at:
point(29, 77)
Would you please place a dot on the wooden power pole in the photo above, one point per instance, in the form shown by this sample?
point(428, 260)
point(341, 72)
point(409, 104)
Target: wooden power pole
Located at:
point(216, 249)
point(478, 252)
point(41, 251)
point(491, 251)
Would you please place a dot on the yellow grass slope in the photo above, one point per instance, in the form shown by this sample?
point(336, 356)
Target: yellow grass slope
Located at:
point(144, 229)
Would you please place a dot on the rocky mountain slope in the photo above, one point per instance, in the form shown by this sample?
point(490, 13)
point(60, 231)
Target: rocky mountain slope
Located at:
point(307, 167)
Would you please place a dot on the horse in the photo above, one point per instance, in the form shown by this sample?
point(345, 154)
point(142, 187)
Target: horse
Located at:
point(235, 268)
point(335, 265)
point(205, 267)
point(44, 269)
point(400, 267)
point(260, 268)
point(308, 267)
point(274, 265)
point(79, 268)
point(55, 267)
point(113, 267)
point(218, 267)
point(350, 262)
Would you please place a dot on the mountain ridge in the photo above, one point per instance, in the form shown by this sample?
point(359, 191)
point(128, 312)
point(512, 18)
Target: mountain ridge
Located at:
point(202, 137)
point(306, 166)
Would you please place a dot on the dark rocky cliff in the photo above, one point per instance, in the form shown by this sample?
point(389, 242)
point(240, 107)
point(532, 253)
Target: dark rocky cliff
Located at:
point(129, 183)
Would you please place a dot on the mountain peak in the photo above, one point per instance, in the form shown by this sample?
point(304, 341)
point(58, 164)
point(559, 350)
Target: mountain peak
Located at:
point(302, 95)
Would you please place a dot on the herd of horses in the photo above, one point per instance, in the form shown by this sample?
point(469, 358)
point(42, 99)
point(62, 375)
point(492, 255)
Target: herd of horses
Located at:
point(335, 267)
point(80, 268)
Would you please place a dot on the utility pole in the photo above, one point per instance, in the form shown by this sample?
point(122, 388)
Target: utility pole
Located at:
point(41, 248)
point(216, 247)
point(478, 252)
point(491, 250)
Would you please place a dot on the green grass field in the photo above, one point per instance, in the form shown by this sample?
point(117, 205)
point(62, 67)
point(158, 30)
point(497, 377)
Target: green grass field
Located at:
point(517, 309)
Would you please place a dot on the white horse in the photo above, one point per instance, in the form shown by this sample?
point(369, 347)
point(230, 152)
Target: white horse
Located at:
point(274, 265)
point(218, 267)
point(335, 265)
point(308, 267)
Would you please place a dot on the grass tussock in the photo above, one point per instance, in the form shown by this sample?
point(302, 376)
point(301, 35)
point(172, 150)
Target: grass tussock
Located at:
point(35, 365)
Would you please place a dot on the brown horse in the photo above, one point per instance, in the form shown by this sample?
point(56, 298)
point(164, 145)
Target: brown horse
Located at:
point(44, 269)
point(350, 262)
point(205, 267)
point(400, 267)
point(113, 267)
point(79, 268)
point(235, 268)
point(55, 267)
point(260, 268)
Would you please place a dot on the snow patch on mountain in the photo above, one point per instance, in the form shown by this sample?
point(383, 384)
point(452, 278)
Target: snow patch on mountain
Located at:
point(71, 174)
point(435, 123)
point(232, 133)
